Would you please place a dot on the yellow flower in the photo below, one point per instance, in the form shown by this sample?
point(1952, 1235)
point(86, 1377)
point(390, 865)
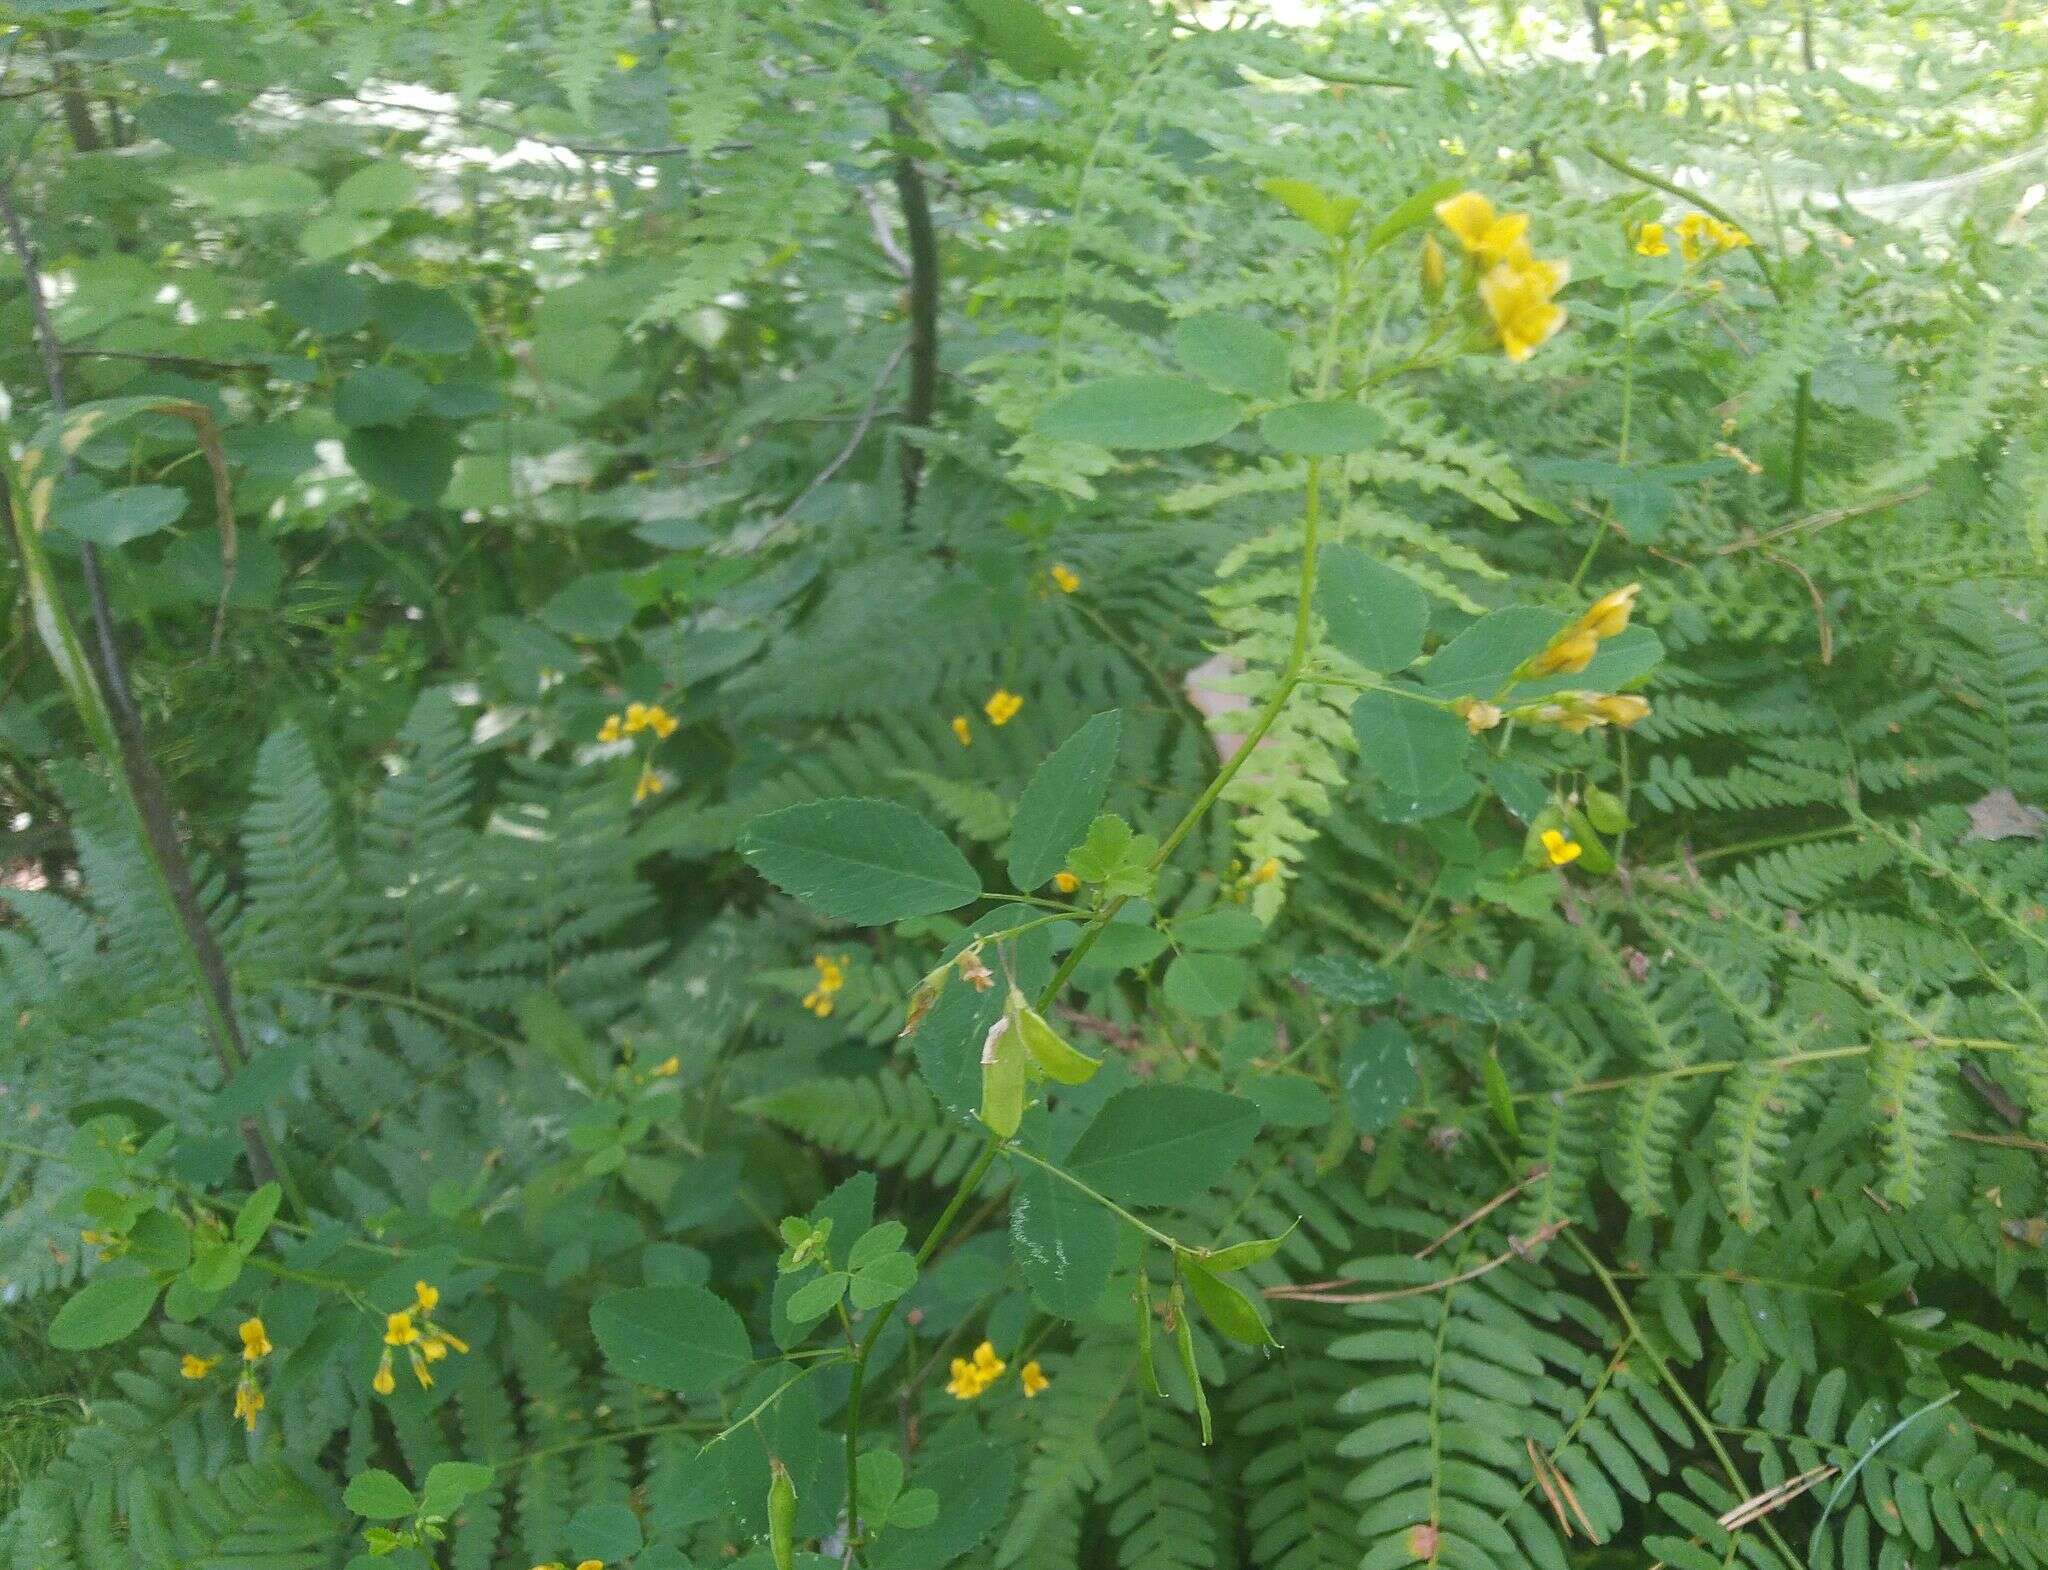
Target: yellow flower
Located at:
point(609, 730)
point(1477, 714)
point(637, 717)
point(1267, 870)
point(1065, 882)
point(625, 60)
point(1065, 576)
point(1621, 708)
point(648, 784)
point(97, 1238)
point(962, 731)
point(1486, 236)
point(831, 977)
point(590, 1564)
point(1559, 849)
point(661, 722)
point(426, 1297)
point(248, 1401)
point(1002, 707)
point(1697, 235)
point(966, 1382)
point(1609, 614)
point(1733, 239)
point(382, 1381)
point(419, 1367)
point(667, 1068)
point(1569, 653)
point(985, 1360)
point(1650, 241)
point(434, 1348)
point(1033, 1377)
point(450, 1339)
point(399, 1330)
point(255, 1341)
point(195, 1367)
point(1519, 301)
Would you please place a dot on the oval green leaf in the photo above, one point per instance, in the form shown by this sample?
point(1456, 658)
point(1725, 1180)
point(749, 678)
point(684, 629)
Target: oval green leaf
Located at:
point(107, 1309)
point(674, 1337)
point(1152, 413)
point(1206, 984)
point(1411, 747)
point(1159, 1144)
point(1321, 430)
point(1234, 353)
point(1374, 614)
point(1061, 801)
point(1377, 1075)
point(860, 860)
point(1224, 1306)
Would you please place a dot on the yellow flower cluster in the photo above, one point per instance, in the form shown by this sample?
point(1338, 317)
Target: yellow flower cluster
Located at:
point(1699, 236)
point(1579, 712)
point(831, 977)
point(1066, 579)
point(1572, 650)
point(424, 1341)
point(637, 718)
point(1002, 707)
point(248, 1392)
point(973, 1376)
point(1516, 287)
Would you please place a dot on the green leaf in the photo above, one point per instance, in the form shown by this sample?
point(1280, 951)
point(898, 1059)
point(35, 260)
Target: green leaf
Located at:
point(378, 395)
point(1234, 353)
point(1480, 660)
point(1206, 984)
point(1377, 1075)
point(256, 1214)
point(253, 190)
point(1375, 615)
point(1287, 1100)
point(449, 1483)
point(1347, 979)
point(384, 187)
point(1064, 1243)
point(379, 1496)
point(879, 1241)
point(323, 300)
point(607, 1532)
point(883, 1280)
point(1326, 214)
point(413, 463)
point(1161, 1144)
point(675, 1337)
point(1242, 1256)
point(427, 321)
point(1022, 36)
point(1061, 801)
point(115, 517)
point(816, 1299)
point(336, 234)
point(1220, 929)
point(1224, 1306)
point(860, 860)
point(1412, 213)
point(1498, 1096)
point(594, 606)
point(1324, 429)
point(105, 1310)
point(913, 1508)
point(1605, 811)
point(1146, 412)
point(1411, 747)
point(191, 122)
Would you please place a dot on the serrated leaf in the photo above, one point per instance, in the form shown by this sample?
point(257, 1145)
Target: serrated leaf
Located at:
point(1234, 353)
point(1377, 1075)
point(1160, 1144)
point(860, 860)
point(1062, 799)
point(449, 1483)
point(105, 1310)
point(1321, 429)
point(379, 1496)
point(1148, 413)
point(1412, 747)
point(883, 1280)
point(674, 1337)
point(1373, 614)
point(1206, 984)
point(815, 1299)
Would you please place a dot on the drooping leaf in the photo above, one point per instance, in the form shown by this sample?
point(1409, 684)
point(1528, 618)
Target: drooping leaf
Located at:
point(427, 321)
point(1224, 1305)
point(860, 860)
point(413, 463)
point(115, 517)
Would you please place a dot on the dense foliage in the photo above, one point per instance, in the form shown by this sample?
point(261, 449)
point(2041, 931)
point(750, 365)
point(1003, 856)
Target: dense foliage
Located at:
point(966, 783)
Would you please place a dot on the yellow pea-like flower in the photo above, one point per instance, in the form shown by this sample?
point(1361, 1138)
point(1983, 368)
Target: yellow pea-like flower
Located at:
point(1561, 849)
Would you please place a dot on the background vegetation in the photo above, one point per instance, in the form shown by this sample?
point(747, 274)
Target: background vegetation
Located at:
point(549, 542)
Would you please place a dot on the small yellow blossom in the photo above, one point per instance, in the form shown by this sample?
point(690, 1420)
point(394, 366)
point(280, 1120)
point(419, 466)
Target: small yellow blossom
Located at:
point(255, 1341)
point(1002, 707)
point(1561, 850)
point(590, 1564)
point(193, 1366)
point(625, 60)
point(986, 1360)
point(648, 784)
point(1065, 882)
point(610, 730)
point(1650, 241)
point(1609, 614)
point(966, 1383)
point(97, 1239)
point(1699, 235)
point(637, 716)
point(661, 722)
point(1487, 236)
point(962, 731)
point(1518, 299)
point(667, 1068)
point(1571, 652)
point(382, 1381)
point(1267, 870)
point(1033, 1378)
point(1621, 708)
point(1065, 576)
point(831, 977)
point(248, 1401)
point(399, 1330)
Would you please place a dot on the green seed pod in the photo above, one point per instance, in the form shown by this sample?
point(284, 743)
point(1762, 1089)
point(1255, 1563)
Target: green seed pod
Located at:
point(781, 1515)
point(1002, 1077)
point(1053, 1055)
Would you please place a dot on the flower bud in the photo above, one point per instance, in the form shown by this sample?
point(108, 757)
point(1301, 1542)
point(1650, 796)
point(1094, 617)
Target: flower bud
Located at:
point(1432, 269)
point(1569, 653)
point(1621, 708)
